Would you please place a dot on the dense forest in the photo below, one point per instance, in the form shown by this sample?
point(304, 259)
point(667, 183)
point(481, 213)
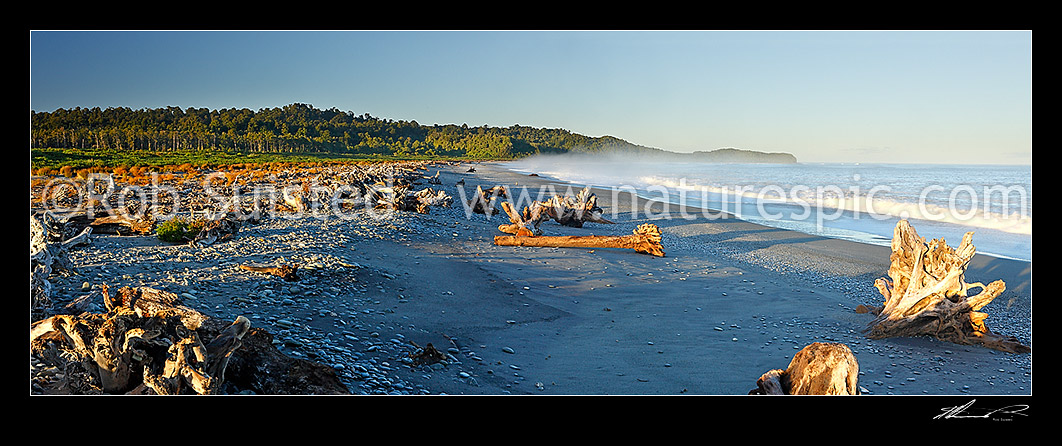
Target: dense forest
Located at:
point(302, 129)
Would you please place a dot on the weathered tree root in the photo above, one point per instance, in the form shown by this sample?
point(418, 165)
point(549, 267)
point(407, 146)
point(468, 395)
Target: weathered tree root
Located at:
point(926, 294)
point(483, 200)
point(645, 240)
point(526, 224)
point(574, 211)
point(818, 369)
point(145, 344)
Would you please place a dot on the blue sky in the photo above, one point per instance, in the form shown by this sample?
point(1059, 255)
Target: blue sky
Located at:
point(825, 96)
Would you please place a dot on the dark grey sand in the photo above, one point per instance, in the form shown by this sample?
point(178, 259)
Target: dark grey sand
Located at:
point(730, 301)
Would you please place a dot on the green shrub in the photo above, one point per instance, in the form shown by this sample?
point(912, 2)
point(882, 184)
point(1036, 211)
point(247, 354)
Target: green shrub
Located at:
point(179, 230)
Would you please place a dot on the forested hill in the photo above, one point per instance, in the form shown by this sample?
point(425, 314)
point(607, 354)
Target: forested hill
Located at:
point(302, 129)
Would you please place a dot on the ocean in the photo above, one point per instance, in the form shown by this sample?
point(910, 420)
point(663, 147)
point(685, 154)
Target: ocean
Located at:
point(853, 201)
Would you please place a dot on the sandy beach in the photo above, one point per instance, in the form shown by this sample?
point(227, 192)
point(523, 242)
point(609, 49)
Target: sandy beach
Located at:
point(729, 301)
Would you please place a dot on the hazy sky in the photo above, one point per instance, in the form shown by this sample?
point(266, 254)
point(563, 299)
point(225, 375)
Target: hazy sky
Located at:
point(824, 96)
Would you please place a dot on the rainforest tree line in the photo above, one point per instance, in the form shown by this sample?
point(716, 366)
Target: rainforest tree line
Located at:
point(295, 129)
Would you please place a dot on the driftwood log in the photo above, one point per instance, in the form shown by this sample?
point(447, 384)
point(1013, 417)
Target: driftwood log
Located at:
point(284, 271)
point(123, 225)
point(818, 369)
point(645, 240)
point(926, 294)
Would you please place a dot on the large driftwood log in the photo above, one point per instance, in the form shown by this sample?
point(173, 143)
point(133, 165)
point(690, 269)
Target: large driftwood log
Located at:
point(123, 225)
point(818, 369)
point(646, 240)
point(926, 294)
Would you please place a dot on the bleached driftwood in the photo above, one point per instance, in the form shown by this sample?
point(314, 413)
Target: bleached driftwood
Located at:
point(926, 294)
point(48, 255)
point(123, 225)
point(646, 240)
point(217, 229)
point(146, 343)
point(483, 201)
point(525, 224)
point(401, 199)
point(41, 259)
point(817, 369)
point(83, 238)
point(432, 197)
point(574, 211)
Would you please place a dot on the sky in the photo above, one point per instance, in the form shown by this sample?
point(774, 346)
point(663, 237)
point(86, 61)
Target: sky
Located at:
point(825, 96)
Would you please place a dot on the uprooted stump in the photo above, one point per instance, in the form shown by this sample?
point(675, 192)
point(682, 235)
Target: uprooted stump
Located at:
point(574, 211)
point(483, 200)
point(525, 224)
point(147, 343)
point(926, 294)
point(645, 240)
point(818, 369)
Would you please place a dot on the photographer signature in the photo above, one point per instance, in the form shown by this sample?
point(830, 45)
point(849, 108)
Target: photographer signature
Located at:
point(959, 411)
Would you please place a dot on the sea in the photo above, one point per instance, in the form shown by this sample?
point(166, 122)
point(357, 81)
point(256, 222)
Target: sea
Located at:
point(860, 202)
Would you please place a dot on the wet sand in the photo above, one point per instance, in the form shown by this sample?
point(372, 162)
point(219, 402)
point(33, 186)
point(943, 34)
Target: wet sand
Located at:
point(730, 301)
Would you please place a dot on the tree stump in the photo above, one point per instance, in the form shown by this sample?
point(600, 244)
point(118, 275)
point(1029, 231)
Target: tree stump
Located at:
point(818, 369)
point(525, 224)
point(574, 211)
point(146, 343)
point(926, 294)
point(483, 201)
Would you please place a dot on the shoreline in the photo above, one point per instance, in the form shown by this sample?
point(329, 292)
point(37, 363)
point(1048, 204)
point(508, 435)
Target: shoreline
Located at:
point(840, 225)
point(730, 301)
